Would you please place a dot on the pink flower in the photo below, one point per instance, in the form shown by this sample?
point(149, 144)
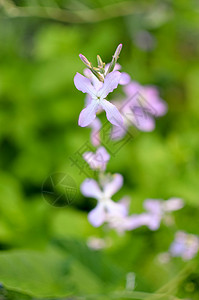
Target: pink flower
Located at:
point(105, 205)
point(98, 160)
point(149, 100)
point(141, 105)
point(98, 96)
point(185, 245)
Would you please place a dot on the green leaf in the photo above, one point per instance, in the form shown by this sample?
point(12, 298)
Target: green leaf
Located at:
point(94, 261)
point(34, 273)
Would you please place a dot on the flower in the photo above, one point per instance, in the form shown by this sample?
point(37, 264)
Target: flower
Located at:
point(95, 132)
point(125, 222)
point(96, 243)
point(124, 79)
point(184, 245)
point(98, 160)
point(98, 96)
point(105, 205)
point(156, 209)
point(140, 106)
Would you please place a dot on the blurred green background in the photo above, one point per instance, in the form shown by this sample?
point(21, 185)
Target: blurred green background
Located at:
point(43, 248)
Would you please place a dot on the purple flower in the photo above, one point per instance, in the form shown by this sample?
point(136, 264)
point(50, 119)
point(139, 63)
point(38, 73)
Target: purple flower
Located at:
point(98, 96)
point(98, 160)
point(149, 98)
point(156, 210)
point(105, 205)
point(141, 105)
point(125, 222)
point(185, 245)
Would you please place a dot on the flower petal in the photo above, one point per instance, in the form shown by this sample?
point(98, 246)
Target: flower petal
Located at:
point(125, 78)
point(111, 82)
point(145, 123)
point(159, 106)
point(95, 81)
point(88, 114)
point(173, 204)
point(112, 187)
point(115, 209)
point(112, 113)
point(153, 206)
point(104, 156)
point(84, 85)
point(95, 132)
point(97, 216)
point(90, 188)
point(118, 132)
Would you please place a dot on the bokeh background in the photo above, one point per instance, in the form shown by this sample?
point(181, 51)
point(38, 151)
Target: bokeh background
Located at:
point(43, 248)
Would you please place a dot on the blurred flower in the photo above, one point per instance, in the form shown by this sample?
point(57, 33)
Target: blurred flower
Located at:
point(105, 205)
point(98, 160)
point(144, 40)
point(163, 258)
point(98, 96)
point(156, 209)
point(96, 243)
point(185, 245)
point(95, 131)
point(141, 105)
point(125, 222)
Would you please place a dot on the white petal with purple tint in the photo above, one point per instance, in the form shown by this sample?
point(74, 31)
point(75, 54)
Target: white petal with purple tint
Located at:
point(88, 114)
point(84, 85)
point(115, 185)
point(112, 113)
point(111, 82)
point(97, 216)
point(90, 188)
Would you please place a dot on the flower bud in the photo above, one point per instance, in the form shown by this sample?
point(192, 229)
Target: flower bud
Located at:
point(117, 52)
point(85, 60)
point(99, 61)
point(114, 59)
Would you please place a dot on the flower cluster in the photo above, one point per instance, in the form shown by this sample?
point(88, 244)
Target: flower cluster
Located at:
point(138, 106)
point(185, 245)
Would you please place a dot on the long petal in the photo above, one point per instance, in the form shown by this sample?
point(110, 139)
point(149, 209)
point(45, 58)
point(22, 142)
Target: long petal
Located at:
point(89, 188)
point(111, 82)
point(84, 85)
point(149, 220)
point(97, 216)
point(95, 132)
point(153, 206)
point(112, 113)
point(88, 114)
point(112, 187)
point(118, 132)
point(173, 204)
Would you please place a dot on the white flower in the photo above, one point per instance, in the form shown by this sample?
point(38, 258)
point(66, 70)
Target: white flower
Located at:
point(105, 206)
